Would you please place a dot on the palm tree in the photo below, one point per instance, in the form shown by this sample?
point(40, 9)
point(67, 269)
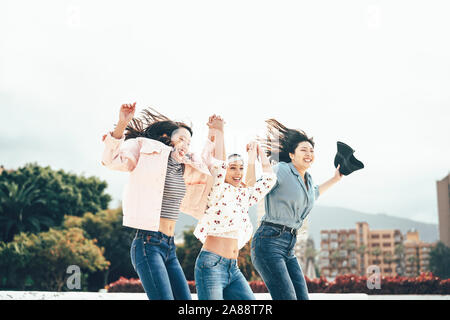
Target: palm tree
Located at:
point(388, 258)
point(399, 253)
point(16, 209)
point(376, 252)
point(414, 262)
point(362, 250)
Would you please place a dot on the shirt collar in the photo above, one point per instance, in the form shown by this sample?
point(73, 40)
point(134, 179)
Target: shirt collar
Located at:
point(295, 171)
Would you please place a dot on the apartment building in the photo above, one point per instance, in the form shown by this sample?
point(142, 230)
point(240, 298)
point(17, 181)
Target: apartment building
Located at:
point(338, 252)
point(417, 254)
point(353, 251)
point(443, 195)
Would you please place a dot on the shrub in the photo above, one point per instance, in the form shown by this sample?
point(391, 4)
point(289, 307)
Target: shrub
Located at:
point(42, 259)
point(106, 226)
point(426, 283)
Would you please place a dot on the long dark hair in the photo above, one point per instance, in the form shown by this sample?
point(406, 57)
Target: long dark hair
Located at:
point(154, 125)
point(280, 141)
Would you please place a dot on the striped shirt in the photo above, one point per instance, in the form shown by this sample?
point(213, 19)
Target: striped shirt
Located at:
point(174, 190)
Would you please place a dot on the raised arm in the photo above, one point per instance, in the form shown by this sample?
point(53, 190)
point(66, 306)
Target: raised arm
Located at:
point(268, 179)
point(329, 183)
point(119, 154)
point(250, 175)
point(215, 134)
point(126, 114)
point(265, 162)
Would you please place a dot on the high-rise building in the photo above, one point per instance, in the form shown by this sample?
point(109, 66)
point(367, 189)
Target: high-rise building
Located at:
point(443, 195)
point(353, 251)
point(338, 253)
point(417, 254)
point(380, 248)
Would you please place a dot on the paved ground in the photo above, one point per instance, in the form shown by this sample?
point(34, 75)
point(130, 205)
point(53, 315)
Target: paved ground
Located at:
point(43, 295)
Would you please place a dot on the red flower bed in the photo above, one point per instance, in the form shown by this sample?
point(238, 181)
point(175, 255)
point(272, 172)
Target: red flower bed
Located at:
point(426, 283)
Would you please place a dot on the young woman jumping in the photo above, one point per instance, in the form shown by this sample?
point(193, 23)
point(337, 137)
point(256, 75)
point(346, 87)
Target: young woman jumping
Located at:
point(226, 227)
point(164, 180)
point(286, 206)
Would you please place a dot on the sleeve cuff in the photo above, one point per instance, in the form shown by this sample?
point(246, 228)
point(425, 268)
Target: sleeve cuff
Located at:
point(110, 140)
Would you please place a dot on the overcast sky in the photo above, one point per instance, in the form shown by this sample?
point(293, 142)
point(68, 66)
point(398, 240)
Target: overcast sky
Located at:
point(373, 74)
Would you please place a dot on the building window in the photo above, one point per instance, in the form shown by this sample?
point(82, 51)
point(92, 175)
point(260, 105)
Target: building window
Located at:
point(324, 262)
point(375, 244)
point(375, 236)
point(388, 244)
point(386, 236)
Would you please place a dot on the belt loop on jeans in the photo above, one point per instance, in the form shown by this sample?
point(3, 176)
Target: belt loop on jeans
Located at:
point(292, 231)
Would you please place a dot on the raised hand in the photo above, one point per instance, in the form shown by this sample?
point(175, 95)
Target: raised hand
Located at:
point(126, 113)
point(337, 174)
point(215, 122)
point(252, 150)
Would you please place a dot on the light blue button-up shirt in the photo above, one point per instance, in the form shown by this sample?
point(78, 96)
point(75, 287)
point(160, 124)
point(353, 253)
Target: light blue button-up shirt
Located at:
point(290, 201)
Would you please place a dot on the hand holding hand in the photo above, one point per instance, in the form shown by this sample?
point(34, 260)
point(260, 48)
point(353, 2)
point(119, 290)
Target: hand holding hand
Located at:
point(252, 150)
point(215, 122)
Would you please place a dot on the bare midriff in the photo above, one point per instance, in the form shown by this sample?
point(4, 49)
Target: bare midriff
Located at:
point(225, 247)
point(167, 226)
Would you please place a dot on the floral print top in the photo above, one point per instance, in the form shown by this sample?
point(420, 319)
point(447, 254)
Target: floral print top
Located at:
point(227, 211)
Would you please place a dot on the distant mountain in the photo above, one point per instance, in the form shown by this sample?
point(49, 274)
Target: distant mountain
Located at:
point(327, 218)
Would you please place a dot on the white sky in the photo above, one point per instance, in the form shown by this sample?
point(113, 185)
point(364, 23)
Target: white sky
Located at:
point(373, 74)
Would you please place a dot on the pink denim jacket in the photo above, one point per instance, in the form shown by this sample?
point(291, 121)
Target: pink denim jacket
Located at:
point(146, 160)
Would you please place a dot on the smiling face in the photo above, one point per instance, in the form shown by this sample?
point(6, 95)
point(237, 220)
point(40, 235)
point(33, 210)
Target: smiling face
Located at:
point(303, 156)
point(235, 172)
point(181, 140)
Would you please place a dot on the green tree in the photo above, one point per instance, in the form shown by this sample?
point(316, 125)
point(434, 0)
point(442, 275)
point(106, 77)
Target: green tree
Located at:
point(44, 258)
point(388, 258)
point(440, 260)
point(17, 205)
point(414, 261)
point(376, 252)
point(362, 250)
point(399, 259)
point(60, 194)
point(187, 253)
point(245, 263)
point(106, 227)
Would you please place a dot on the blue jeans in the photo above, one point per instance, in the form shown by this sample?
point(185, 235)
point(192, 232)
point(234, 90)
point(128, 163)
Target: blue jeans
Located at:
point(154, 259)
point(272, 254)
point(219, 278)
